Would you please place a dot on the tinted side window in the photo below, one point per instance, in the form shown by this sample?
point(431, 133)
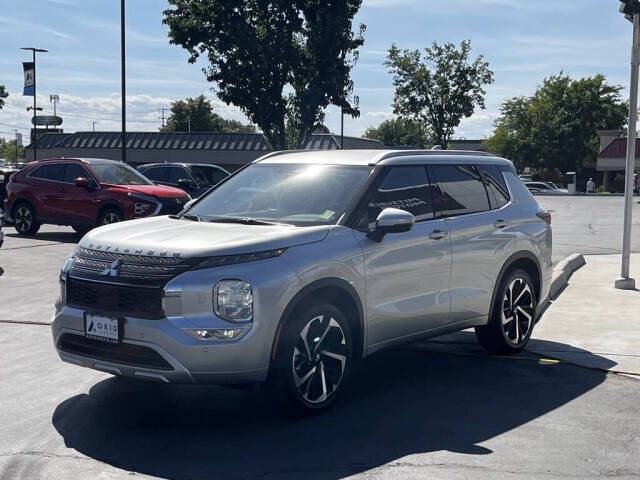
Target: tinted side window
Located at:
point(406, 188)
point(157, 174)
point(496, 186)
point(74, 171)
point(217, 175)
point(178, 173)
point(53, 171)
point(458, 190)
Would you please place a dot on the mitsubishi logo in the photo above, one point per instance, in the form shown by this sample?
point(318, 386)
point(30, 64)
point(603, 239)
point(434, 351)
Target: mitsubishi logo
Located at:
point(113, 270)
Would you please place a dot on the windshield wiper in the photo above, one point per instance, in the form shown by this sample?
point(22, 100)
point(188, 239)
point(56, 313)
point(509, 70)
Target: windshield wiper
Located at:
point(190, 216)
point(243, 220)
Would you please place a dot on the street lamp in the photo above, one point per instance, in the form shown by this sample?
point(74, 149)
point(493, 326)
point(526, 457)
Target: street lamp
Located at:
point(35, 109)
point(123, 81)
point(631, 11)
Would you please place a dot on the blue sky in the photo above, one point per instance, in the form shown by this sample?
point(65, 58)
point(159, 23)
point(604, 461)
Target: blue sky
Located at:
point(523, 40)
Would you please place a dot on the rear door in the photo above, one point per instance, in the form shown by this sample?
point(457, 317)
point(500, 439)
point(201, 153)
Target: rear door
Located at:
point(481, 239)
point(49, 189)
point(407, 274)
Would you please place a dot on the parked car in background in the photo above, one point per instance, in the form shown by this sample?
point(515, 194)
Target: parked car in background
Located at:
point(84, 193)
point(546, 188)
point(193, 178)
point(290, 270)
point(20, 165)
point(5, 174)
point(525, 177)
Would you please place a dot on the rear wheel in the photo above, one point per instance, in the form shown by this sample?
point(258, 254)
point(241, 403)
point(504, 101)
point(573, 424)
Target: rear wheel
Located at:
point(110, 215)
point(312, 360)
point(24, 220)
point(513, 317)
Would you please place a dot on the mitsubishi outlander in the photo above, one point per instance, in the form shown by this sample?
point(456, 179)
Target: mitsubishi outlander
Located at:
point(303, 262)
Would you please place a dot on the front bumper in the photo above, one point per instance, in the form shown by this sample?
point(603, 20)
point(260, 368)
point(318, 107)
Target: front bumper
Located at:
point(186, 360)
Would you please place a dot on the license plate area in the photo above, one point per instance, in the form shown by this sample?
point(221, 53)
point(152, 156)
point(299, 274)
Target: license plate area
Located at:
point(103, 328)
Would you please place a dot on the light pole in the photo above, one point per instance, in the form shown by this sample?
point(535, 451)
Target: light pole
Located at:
point(54, 99)
point(123, 81)
point(631, 11)
point(35, 108)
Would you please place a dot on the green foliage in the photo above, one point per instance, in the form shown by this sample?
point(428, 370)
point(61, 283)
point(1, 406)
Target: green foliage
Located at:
point(556, 127)
point(8, 150)
point(400, 131)
point(199, 113)
point(256, 48)
point(439, 88)
point(3, 94)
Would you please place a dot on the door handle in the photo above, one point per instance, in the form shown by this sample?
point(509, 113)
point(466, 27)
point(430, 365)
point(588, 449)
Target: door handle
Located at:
point(501, 223)
point(438, 234)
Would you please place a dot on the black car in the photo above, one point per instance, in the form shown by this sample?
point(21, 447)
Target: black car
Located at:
point(5, 173)
point(193, 178)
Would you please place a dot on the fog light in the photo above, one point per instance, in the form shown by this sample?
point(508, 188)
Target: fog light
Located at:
point(214, 333)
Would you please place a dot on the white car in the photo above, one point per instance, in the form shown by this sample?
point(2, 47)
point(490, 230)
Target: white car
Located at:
point(545, 188)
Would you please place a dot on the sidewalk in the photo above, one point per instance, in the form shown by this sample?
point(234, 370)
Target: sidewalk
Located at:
point(591, 323)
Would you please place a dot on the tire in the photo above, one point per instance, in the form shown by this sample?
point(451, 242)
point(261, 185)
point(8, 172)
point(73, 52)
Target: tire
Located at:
point(25, 220)
point(304, 381)
point(110, 215)
point(513, 315)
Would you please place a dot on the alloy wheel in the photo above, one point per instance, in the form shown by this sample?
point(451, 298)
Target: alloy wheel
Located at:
point(319, 359)
point(110, 217)
point(23, 219)
point(517, 311)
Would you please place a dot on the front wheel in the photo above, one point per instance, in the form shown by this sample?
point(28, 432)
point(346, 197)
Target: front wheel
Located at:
point(313, 357)
point(109, 216)
point(513, 316)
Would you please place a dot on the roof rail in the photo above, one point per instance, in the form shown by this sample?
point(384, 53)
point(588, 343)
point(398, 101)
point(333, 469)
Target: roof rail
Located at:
point(407, 153)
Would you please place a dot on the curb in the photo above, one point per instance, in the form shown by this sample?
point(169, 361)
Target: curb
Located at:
point(562, 272)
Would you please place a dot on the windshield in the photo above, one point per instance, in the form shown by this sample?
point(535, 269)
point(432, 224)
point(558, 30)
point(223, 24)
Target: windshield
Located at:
point(118, 174)
point(296, 194)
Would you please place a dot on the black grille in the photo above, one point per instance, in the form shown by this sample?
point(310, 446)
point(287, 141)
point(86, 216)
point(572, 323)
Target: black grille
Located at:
point(123, 353)
point(131, 269)
point(171, 206)
point(124, 300)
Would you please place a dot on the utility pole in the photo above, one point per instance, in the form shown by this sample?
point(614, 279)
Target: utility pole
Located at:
point(15, 131)
point(35, 108)
point(163, 109)
point(54, 99)
point(189, 123)
point(93, 126)
point(631, 11)
point(123, 80)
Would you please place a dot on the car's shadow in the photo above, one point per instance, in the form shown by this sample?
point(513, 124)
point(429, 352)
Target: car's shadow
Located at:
point(57, 237)
point(400, 402)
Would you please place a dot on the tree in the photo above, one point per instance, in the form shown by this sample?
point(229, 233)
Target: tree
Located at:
point(400, 131)
point(197, 115)
point(439, 88)
point(8, 150)
point(258, 49)
point(3, 94)
point(556, 127)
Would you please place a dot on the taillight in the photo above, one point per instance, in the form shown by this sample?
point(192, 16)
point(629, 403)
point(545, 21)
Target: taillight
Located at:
point(545, 215)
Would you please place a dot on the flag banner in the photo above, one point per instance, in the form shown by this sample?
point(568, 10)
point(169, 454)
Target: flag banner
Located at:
point(29, 78)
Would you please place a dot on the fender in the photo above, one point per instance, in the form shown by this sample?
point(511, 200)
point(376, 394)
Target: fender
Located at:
point(308, 290)
point(507, 265)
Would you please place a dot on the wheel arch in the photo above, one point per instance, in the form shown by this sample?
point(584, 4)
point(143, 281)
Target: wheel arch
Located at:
point(22, 199)
point(528, 262)
point(110, 204)
point(339, 293)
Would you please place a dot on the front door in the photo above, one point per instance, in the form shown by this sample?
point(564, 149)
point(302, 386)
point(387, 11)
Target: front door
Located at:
point(407, 274)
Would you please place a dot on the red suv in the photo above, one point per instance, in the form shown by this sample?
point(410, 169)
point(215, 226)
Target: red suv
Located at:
point(84, 193)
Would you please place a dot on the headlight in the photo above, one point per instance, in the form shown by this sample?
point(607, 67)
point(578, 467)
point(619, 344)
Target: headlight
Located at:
point(144, 204)
point(233, 300)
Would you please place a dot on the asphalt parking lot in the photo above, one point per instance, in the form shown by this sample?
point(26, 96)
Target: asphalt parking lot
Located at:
point(440, 409)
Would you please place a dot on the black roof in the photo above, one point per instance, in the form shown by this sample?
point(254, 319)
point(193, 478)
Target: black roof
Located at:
point(179, 164)
point(156, 140)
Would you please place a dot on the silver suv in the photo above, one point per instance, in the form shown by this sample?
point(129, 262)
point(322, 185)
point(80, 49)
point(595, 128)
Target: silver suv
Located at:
point(303, 262)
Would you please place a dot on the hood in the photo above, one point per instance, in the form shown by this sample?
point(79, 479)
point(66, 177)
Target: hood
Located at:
point(156, 235)
point(155, 190)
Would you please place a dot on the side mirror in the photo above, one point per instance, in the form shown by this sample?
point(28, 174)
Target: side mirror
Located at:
point(185, 184)
point(392, 220)
point(81, 182)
